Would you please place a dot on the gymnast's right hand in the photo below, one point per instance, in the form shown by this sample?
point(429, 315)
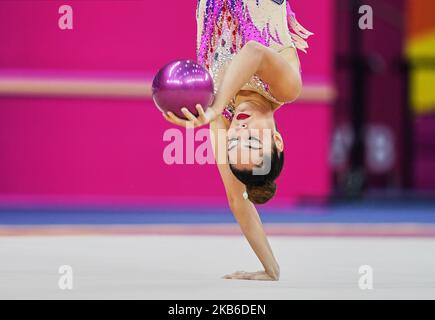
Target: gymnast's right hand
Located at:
point(202, 119)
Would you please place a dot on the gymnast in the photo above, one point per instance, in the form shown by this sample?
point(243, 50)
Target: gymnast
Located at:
point(250, 49)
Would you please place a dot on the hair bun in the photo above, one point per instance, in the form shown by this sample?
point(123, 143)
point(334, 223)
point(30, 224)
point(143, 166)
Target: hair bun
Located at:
point(261, 194)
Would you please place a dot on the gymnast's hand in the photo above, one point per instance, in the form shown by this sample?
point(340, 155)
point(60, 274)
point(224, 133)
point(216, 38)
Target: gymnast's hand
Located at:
point(202, 119)
point(258, 276)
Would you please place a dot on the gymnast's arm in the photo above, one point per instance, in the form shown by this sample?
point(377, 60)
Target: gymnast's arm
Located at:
point(244, 211)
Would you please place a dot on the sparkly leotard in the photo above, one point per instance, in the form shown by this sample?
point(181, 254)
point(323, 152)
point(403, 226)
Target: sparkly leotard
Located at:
point(225, 26)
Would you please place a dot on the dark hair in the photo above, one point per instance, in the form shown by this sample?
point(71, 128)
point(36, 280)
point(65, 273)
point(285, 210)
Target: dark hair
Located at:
point(261, 188)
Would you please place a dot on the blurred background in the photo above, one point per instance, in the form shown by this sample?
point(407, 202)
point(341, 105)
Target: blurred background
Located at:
point(81, 141)
point(83, 183)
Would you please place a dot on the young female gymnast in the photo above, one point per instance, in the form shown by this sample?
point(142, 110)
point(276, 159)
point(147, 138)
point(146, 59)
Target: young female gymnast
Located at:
point(249, 46)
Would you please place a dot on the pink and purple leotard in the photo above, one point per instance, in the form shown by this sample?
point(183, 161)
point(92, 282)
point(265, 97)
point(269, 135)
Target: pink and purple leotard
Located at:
point(225, 26)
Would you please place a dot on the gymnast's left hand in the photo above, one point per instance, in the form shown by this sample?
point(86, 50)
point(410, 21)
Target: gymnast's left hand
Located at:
point(192, 121)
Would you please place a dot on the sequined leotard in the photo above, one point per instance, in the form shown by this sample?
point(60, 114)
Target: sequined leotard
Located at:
point(225, 26)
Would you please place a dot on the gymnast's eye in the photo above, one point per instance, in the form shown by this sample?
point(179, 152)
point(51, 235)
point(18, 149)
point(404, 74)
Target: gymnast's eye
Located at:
point(254, 143)
point(232, 143)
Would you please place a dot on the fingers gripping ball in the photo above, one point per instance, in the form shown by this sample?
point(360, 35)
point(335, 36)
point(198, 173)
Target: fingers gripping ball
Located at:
point(183, 84)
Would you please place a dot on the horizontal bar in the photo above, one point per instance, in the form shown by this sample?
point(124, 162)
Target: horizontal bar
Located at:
point(408, 230)
point(116, 88)
point(52, 87)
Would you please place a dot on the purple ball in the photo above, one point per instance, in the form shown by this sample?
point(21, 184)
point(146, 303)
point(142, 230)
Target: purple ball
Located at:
point(181, 84)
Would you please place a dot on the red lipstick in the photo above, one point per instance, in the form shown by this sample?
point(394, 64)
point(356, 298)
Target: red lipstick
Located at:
point(242, 116)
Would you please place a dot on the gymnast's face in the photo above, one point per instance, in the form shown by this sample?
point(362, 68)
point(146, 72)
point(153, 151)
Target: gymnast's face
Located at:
point(251, 137)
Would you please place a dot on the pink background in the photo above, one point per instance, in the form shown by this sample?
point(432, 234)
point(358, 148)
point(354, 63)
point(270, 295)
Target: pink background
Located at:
point(82, 151)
